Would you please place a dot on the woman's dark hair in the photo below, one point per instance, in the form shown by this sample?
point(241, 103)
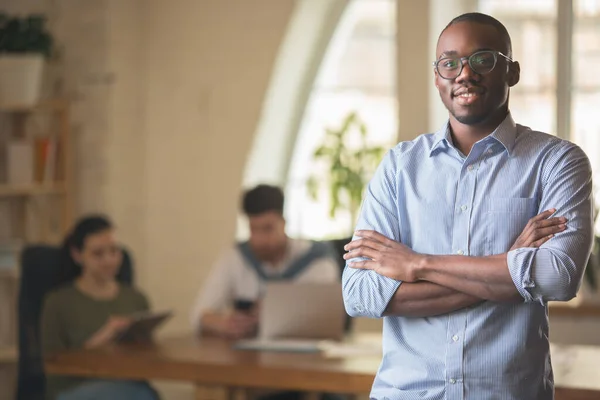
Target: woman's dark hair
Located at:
point(84, 227)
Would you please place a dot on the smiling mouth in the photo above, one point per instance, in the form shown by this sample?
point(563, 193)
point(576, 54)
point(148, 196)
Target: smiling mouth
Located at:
point(467, 97)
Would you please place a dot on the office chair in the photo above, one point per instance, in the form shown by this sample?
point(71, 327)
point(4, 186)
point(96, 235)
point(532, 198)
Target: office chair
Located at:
point(42, 270)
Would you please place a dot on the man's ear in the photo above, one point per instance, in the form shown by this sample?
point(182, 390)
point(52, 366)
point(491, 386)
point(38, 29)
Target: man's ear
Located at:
point(514, 73)
point(435, 79)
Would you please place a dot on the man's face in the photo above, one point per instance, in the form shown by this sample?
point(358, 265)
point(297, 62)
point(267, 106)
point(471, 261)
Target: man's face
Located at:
point(474, 99)
point(267, 234)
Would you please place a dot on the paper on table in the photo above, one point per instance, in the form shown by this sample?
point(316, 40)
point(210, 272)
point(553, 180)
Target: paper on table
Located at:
point(337, 349)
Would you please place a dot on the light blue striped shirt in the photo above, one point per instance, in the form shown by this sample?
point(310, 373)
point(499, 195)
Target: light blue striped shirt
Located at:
point(430, 197)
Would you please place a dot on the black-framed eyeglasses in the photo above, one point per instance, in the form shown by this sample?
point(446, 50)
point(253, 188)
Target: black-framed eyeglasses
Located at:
point(481, 62)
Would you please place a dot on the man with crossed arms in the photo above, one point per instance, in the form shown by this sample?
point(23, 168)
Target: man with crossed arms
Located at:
point(448, 247)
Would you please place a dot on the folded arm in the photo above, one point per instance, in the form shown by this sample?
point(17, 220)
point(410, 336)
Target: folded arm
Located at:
point(426, 299)
point(369, 294)
point(551, 272)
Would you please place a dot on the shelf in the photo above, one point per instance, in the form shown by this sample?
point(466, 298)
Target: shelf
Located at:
point(34, 189)
point(47, 105)
point(8, 355)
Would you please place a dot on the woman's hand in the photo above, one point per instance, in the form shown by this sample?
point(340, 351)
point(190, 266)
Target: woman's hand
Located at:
point(109, 331)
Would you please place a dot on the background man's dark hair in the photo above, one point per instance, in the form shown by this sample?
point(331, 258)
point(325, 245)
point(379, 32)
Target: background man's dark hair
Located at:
point(261, 199)
point(485, 20)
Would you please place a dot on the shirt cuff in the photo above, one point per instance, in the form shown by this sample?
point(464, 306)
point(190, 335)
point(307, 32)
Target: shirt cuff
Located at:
point(520, 265)
point(370, 295)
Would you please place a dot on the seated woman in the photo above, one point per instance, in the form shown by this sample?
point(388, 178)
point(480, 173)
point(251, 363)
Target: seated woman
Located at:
point(91, 311)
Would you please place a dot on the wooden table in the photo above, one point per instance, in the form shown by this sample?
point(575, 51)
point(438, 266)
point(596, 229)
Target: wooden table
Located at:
point(213, 362)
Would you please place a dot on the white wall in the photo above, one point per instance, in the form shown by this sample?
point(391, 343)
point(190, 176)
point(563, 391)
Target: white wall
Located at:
point(207, 66)
point(166, 99)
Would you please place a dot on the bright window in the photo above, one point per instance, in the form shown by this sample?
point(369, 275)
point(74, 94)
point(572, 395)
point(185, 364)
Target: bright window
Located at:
point(585, 124)
point(357, 75)
point(532, 28)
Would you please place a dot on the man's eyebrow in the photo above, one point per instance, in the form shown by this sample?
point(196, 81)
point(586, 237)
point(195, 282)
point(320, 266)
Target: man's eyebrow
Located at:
point(454, 52)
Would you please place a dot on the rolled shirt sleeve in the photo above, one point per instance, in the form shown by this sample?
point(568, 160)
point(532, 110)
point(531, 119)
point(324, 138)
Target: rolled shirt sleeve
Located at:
point(555, 270)
point(366, 293)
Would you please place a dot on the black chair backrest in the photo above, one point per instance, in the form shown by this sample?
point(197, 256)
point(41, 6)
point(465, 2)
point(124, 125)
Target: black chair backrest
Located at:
point(42, 270)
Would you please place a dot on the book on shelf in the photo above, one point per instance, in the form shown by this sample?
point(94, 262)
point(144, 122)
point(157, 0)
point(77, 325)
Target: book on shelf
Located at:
point(45, 159)
point(32, 161)
point(20, 162)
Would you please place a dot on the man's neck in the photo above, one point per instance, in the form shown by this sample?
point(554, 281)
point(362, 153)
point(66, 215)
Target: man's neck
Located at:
point(465, 136)
point(277, 257)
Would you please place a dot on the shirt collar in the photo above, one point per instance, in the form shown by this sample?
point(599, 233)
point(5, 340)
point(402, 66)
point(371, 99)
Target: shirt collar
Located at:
point(505, 134)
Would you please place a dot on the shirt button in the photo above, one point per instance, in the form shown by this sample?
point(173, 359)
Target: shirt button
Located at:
point(452, 380)
point(455, 338)
point(470, 168)
point(460, 252)
point(489, 151)
point(464, 208)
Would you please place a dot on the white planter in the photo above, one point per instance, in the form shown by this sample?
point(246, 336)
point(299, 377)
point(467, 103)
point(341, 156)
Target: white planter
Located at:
point(20, 79)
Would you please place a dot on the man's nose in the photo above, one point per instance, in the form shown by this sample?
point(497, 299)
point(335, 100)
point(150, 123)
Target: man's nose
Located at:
point(467, 74)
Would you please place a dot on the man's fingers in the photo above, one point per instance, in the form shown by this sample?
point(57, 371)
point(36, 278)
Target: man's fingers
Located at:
point(362, 252)
point(363, 243)
point(373, 235)
point(550, 222)
point(541, 241)
point(364, 264)
point(533, 226)
point(543, 215)
point(543, 232)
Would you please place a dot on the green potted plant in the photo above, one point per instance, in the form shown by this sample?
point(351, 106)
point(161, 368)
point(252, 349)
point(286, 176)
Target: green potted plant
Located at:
point(24, 45)
point(351, 161)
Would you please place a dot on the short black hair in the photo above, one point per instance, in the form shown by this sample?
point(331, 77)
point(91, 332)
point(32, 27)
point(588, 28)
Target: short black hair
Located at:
point(484, 19)
point(263, 198)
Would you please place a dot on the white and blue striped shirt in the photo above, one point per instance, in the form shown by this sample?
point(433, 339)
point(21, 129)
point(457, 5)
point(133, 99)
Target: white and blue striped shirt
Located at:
point(432, 198)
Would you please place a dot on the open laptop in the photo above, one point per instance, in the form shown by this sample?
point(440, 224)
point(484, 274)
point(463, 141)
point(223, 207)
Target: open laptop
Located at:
point(298, 316)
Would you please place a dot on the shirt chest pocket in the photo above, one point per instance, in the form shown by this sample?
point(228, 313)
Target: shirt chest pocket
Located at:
point(505, 219)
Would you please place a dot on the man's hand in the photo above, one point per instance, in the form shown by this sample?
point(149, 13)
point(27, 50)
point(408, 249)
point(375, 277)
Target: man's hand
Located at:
point(234, 325)
point(239, 325)
point(386, 257)
point(540, 229)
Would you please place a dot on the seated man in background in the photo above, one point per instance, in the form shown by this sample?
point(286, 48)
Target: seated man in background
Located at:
point(227, 306)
